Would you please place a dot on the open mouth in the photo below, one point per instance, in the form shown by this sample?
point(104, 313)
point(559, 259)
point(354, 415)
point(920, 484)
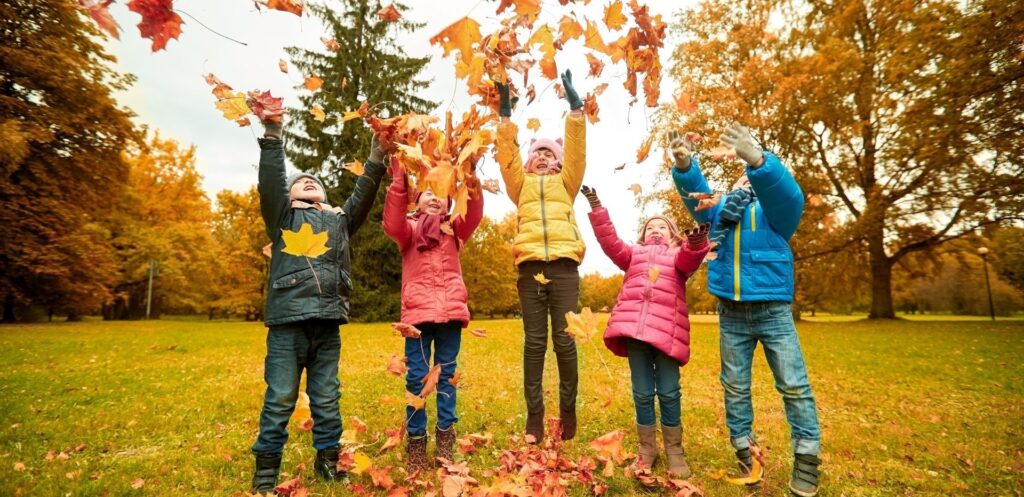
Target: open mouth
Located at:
point(309, 188)
point(433, 204)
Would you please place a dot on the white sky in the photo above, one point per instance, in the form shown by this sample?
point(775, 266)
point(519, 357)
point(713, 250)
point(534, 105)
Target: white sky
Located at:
point(171, 95)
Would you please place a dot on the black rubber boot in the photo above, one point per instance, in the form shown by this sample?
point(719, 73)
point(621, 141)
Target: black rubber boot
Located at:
point(326, 465)
point(535, 426)
point(568, 417)
point(264, 479)
point(805, 475)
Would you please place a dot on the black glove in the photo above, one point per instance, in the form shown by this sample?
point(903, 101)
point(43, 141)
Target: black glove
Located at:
point(697, 237)
point(591, 195)
point(506, 103)
point(570, 91)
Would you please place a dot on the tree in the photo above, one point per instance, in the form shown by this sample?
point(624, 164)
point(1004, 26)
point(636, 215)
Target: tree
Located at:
point(59, 158)
point(242, 267)
point(1008, 254)
point(489, 270)
point(366, 67)
point(163, 216)
point(599, 293)
point(902, 116)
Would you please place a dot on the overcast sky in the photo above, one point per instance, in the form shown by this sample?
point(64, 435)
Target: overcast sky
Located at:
point(171, 95)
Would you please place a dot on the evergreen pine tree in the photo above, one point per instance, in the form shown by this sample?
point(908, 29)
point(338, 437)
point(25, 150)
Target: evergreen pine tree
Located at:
point(368, 66)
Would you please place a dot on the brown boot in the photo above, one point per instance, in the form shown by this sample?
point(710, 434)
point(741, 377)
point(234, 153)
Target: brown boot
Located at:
point(445, 440)
point(416, 454)
point(647, 453)
point(535, 426)
point(674, 453)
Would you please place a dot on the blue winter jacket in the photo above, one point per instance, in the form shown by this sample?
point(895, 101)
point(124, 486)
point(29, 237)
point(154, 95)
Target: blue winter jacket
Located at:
point(754, 262)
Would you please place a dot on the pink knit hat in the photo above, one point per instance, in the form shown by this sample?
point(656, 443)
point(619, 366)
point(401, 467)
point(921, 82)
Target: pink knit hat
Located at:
point(555, 146)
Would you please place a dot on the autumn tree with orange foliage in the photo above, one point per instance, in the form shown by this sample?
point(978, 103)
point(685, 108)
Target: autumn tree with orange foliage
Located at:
point(488, 270)
point(903, 118)
point(60, 162)
point(242, 267)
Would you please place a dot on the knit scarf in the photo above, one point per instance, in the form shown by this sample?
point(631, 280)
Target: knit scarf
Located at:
point(428, 232)
point(733, 205)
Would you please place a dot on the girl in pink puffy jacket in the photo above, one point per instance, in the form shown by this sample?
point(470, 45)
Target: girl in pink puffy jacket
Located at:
point(433, 300)
point(650, 324)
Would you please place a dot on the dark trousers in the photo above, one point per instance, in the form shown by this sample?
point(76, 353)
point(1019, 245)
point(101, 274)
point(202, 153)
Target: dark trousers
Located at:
point(539, 302)
point(315, 346)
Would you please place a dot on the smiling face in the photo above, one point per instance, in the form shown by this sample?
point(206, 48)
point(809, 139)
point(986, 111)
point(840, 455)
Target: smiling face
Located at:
point(431, 204)
point(307, 189)
point(543, 160)
point(657, 230)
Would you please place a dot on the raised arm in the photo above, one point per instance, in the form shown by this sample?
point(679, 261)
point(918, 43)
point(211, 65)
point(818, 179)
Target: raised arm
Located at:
point(575, 156)
point(690, 180)
point(465, 226)
point(695, 247)
point(509, 160)
point(358, 204)
point(620, 252)
point(781, 198)
point(395, 222)
point(272, 185)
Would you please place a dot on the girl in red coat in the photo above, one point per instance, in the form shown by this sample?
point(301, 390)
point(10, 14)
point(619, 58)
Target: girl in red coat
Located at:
point(433, 300)
point(650, 324)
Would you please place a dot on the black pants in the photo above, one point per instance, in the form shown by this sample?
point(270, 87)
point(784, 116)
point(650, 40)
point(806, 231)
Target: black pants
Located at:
point(538, 302)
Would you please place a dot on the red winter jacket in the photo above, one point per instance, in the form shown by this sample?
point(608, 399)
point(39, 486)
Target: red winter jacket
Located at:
point(432, 286)
point(653, 312)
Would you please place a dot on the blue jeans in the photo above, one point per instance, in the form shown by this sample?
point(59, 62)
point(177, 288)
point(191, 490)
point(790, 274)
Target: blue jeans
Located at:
point(653, 373)
point(315, 346)
point(743, 325)
point(446, 339)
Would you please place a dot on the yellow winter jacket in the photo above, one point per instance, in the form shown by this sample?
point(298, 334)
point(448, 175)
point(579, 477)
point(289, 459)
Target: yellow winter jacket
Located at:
point(547, 223)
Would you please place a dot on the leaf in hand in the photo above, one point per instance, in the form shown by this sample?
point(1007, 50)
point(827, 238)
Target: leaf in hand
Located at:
point(233, 105)
point(583, 326)
point(304, 242)
point(266, 107)
point(406, 330)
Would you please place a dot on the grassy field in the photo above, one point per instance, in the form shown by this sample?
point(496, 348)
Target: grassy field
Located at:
point(908, 408)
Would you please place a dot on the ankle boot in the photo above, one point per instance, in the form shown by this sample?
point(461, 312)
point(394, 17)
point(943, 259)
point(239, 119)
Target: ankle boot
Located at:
point(535, 426)
point(416, 454)
point(674, 453)
point(445, 440)
point(264, 478)
point(568, 418)
point(648, 451)
point(326, 465)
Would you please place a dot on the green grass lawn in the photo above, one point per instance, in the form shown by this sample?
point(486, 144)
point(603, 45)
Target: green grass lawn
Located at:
point(907, 408)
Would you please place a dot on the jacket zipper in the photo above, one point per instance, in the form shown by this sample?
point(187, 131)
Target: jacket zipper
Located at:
point(647, 295)
point(736, 259)
point(753, 217)
point(543, 218)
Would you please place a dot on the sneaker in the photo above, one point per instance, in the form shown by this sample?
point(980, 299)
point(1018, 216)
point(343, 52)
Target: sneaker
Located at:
point(805, 475)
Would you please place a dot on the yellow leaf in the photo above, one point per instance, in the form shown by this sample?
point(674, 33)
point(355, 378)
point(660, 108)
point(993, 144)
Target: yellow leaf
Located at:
point(613, 17)
point(533, 123)
point(440, 180)
point(461, 36)
point(355, 167)
point(541, 279)
point(233, 105)
point(318, 113)
point(568, 29)
point(349, 115)
point(583, 326)
point(593, 39)
point(313, 83)
point(635, 188)
point(652, 273)
point(362, 463)
point(755, 476)
point(304, 242)
point(545, 39)
point(414, 401)
point(413, 153)
point(461, 201)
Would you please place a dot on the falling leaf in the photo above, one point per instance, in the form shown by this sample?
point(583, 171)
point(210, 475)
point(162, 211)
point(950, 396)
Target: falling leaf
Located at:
point(159, 21)
point(454, 380)
point(313, 82)
point(599, 89)
point(355, 167)
point(414, 401)
point(282, 65)
point(645, 149)
point(593, 39)
point(541, 279)
point(596, 65)
point(389, 14)
point(318, 113)
point(652, 274)
point(620, 166)
point(397, 366)
point(138, 483)
point(613, 17)
point(99, 13)
point(568, 29)
point(233, 106)
point(406, 330)
point(359, 113)
point(461, 35)
point(429, 381)
point(330, 43)
point(266, 107)
point(243, 122)
point(491, 185)
point(722, 152)
point(590, 108)
point(478, 332)
point(446, 228)
point(304, 242)
point(583, 326)
point(533, 123)
point(293, 6)
point(685, 104)
point(610, 445)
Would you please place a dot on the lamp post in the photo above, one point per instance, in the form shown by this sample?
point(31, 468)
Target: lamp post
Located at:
point(983, 252)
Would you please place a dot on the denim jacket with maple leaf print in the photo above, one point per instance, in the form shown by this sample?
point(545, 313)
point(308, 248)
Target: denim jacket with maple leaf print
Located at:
point(300, 287)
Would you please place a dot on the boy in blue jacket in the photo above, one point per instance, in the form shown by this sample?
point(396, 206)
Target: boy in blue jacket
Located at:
point(752, 276)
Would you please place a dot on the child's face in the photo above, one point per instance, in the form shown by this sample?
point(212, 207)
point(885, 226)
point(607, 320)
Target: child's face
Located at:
point(657, 229)
point(543, 161)
point(307, 189)
point(432, 204)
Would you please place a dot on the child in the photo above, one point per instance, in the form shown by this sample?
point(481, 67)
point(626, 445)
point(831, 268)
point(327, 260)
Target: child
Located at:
point(548, 250)
point(433, 300)
point(650, 323)
point(307, 300)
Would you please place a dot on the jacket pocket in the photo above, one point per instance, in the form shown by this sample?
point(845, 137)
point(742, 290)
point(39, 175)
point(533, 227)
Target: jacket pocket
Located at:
point(772, 268)
point(294, 279)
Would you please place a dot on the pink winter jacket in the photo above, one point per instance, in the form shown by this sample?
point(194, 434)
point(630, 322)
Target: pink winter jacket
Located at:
point(432, 286)
point(653, 312)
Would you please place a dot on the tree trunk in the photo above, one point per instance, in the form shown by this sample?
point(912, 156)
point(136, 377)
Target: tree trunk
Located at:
point(9, 309)
point(881, 280)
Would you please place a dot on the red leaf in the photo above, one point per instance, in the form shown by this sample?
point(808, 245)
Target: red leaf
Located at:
point(159, 22)
point(330, 43)
point(98, 10)
point(396, 366)
point(266, 106)
point(389, 14)
point(290, 486)
point(293, 6)
point(596, 65)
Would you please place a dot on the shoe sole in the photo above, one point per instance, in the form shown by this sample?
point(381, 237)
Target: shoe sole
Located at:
point(801, 493)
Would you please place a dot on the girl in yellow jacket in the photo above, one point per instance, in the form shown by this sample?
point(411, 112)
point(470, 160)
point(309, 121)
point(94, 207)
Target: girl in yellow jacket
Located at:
point(548, 250)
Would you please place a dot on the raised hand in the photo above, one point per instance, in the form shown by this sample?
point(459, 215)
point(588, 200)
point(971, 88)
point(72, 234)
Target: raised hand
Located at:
point(739, 139)
point(505, 101)
point(376, 151)
point(698, 236)
point(271, 129)
point(570, 91)
point(591, 195)
point(472, 183)
point(682, 149)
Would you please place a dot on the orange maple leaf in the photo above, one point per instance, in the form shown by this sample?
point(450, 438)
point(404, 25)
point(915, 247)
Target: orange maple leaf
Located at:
point(644, 150)
point(596, 65)
point(313, 82)
point(460, 35)
point(613, 17)
point(568, 29)
point(389, 14)
point(293, 6)
point(159, 21)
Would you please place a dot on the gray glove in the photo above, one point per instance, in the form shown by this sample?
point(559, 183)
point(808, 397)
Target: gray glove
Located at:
point(682, 150)
point(272, 129)
point(376, 152)
point(738, 138)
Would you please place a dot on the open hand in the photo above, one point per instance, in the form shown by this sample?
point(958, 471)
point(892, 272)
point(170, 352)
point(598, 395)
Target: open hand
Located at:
point(739, 139)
